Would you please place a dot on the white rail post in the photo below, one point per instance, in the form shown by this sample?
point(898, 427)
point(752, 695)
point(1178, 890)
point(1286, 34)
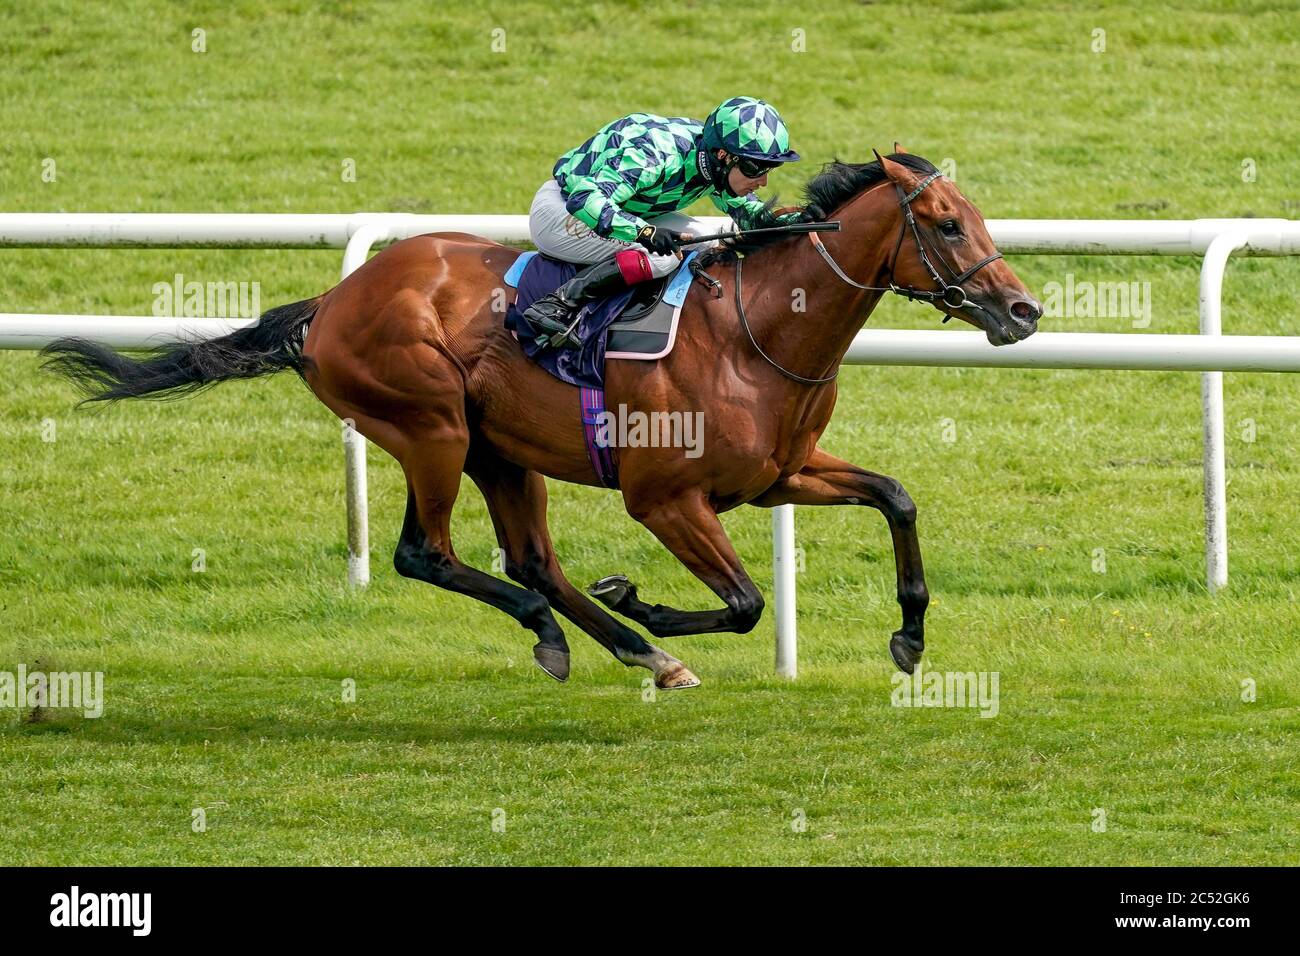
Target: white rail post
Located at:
point(354, 443)
point(354, 463)
point(1216, 502)
point(783, 590)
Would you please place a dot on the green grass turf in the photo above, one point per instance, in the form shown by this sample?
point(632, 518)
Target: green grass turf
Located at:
point(1119, 690)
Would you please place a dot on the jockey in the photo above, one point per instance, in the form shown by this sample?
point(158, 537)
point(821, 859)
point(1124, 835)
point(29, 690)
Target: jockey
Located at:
point(612, 202)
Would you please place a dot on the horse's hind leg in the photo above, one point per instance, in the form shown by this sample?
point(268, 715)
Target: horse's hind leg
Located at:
point(424, 551)
point(690, 529)
point(516, 499)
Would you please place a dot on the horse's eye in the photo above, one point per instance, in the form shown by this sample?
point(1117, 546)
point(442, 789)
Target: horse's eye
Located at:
point(950, 228)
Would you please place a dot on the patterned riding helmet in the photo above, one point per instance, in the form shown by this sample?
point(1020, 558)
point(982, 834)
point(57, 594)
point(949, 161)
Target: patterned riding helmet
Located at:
point(749, 128)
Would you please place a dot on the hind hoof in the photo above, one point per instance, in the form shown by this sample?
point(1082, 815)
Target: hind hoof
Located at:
point(553, 660)
point(613, 590)
point(905, 654)
point(676, 677)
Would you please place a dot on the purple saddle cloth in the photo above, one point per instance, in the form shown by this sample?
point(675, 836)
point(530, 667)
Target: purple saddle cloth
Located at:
point(584, 366)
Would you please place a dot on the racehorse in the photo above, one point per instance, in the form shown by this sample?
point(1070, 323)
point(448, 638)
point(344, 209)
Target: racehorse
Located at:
point(411, 350)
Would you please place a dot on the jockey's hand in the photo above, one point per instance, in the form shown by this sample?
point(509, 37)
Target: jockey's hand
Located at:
point(660, 240)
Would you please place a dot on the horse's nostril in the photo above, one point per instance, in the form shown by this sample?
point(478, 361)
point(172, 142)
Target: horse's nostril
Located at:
point(1026, 310)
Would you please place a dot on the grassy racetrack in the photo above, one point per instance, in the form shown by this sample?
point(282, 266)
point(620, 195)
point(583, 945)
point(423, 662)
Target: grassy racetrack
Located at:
point(1120, 690)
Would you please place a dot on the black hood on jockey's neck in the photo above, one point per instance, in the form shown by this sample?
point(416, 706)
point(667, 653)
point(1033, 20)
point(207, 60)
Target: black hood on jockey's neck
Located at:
point(717, 173)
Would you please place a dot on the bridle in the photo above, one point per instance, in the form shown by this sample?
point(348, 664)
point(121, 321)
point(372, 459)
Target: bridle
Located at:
point(949, 292)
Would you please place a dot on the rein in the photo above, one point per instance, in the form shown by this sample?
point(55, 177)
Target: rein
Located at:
point(950, 293)
point(744, 322)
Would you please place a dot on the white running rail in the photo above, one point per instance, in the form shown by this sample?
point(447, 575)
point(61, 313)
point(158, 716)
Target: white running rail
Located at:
point(1210, 352)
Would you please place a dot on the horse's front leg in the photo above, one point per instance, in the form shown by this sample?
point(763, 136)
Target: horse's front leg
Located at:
point(827, 480)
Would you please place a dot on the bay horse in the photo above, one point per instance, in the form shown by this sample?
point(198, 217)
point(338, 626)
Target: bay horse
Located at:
point(410, 349)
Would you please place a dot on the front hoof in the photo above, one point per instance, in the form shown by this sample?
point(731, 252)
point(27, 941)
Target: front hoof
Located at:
point(905, 652)
point(553, 660)
point(676, 677)
point(613, 591)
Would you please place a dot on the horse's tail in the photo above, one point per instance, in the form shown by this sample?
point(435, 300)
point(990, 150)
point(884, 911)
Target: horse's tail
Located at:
point(270, 345)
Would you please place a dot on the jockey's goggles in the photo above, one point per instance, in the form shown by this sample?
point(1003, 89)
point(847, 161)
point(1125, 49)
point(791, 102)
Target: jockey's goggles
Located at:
point(754, 168)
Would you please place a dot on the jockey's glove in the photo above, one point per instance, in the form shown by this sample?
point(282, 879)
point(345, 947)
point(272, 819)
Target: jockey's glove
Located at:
point(659, 240)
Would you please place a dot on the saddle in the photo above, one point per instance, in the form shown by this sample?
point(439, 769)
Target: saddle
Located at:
point(639, 323)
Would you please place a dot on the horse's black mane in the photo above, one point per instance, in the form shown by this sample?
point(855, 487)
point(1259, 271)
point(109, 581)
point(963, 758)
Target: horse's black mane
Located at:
point(835, 185)
point(838, 182)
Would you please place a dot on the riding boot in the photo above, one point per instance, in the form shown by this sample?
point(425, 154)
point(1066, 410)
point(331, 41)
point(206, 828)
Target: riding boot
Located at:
point(556, 313)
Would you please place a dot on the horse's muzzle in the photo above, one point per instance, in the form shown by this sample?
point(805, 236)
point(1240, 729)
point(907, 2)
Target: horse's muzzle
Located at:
point(1012, 323)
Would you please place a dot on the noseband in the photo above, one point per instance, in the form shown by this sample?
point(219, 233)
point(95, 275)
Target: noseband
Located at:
point(949, 292)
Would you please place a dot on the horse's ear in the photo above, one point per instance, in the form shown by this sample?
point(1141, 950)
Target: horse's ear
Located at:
point(880, 159)
point(898, 148)
point(899, 174)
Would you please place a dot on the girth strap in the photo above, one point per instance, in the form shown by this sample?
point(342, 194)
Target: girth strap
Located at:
point(604, 461)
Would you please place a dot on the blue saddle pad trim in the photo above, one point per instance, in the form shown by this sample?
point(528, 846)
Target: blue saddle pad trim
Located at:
point(680, 283)
point(517, 270)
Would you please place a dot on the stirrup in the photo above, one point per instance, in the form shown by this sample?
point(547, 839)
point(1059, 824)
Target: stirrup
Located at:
point(546, 325)
point(552, 332)
point(564, 338)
